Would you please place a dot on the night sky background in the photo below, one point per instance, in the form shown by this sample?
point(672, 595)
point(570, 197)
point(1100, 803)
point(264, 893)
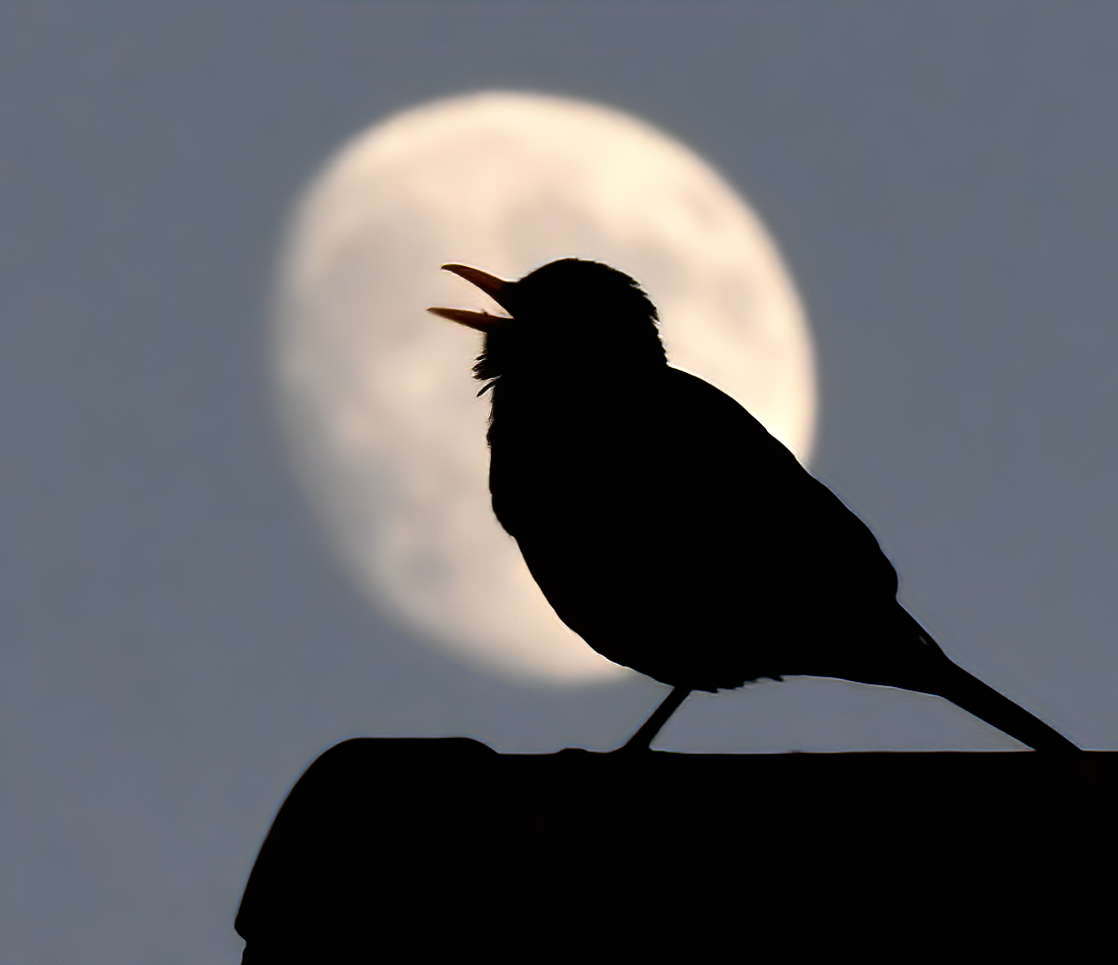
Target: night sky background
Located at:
point(180, 641)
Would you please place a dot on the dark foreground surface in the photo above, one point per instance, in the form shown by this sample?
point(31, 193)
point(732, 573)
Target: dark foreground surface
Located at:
point(435, 850)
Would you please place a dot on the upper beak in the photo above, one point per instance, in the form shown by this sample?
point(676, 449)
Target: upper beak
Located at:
point(490, 284)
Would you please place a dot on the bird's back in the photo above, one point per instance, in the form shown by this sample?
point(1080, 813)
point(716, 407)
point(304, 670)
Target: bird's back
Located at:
point(673, 533)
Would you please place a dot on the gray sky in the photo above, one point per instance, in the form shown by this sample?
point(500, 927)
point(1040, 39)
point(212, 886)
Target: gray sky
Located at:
point(179, 639)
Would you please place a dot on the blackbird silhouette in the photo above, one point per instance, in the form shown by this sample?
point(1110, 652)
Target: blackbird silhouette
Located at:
point(667, 527)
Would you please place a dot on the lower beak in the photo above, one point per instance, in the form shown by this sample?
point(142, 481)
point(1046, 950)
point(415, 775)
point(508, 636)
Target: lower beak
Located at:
point(482, 321)
point(493, 286)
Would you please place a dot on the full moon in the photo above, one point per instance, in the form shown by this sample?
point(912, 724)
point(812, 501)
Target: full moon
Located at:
point(377, 398)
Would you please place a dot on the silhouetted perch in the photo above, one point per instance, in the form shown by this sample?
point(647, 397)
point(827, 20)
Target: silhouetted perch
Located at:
point(435, 849)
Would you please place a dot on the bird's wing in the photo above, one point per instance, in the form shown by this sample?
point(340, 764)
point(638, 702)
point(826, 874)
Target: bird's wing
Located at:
point(755, 490)
point(668, 528)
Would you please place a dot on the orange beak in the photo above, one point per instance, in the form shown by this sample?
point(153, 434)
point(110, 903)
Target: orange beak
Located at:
point(490, 284)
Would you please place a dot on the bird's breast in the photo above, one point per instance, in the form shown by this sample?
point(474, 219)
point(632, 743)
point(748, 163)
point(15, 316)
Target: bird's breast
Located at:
point(549, 470)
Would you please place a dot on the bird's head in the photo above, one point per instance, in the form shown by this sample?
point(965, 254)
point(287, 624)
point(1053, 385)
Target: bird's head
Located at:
point(568, 316)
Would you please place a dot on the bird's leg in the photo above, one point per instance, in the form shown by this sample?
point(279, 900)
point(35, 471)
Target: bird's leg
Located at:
point(641, 740)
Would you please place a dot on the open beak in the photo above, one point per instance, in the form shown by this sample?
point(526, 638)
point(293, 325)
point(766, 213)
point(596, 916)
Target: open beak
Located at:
point(490, 284)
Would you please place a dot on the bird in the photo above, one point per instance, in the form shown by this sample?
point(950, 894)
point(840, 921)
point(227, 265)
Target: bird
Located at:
point(667, 527)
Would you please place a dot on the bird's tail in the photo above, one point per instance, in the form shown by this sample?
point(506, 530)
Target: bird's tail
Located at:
point(965, 690)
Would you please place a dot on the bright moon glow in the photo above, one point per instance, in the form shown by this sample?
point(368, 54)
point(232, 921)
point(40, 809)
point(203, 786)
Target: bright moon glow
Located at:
point(377, 395)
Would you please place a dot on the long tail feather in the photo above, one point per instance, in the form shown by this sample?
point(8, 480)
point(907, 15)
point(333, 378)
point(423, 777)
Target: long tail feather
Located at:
point(970, 693)
point(965, 690)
